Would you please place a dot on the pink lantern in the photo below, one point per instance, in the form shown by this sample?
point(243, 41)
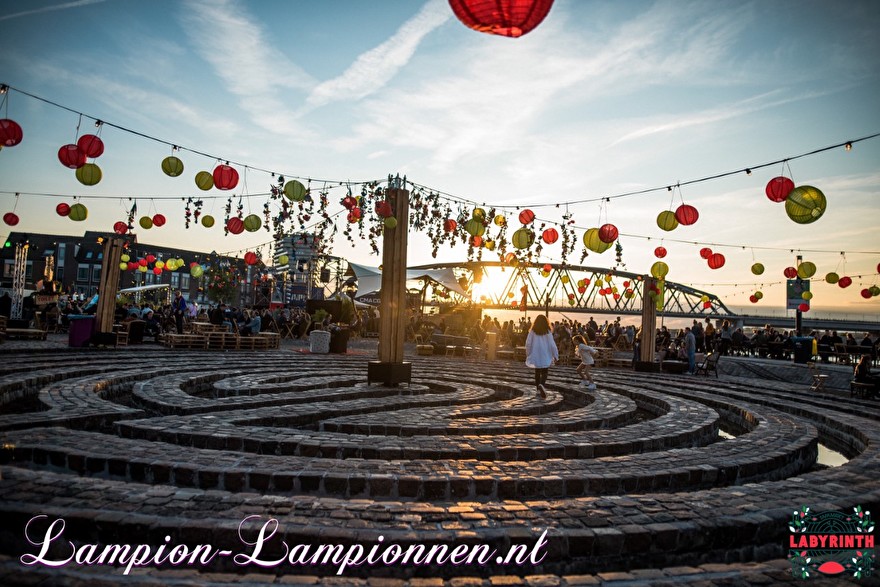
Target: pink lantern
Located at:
point(71, 156)
point(778, 189)
point(608, 233)
point(686, 214)
point(91, 145)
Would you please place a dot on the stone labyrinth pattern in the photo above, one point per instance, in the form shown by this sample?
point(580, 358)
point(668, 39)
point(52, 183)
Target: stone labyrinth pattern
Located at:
point(132, 446)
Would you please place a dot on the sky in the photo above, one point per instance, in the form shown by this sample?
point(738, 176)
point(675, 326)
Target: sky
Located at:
point(602, 98)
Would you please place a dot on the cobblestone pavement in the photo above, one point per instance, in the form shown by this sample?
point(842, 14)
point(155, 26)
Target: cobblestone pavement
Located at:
point(651, 479)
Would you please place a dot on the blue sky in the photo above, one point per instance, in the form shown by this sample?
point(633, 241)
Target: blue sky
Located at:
point(602, 98)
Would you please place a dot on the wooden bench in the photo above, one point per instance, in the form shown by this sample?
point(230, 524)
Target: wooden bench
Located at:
point(33, 333)
point(184, 341)
point(860, 389)
point(506, 355)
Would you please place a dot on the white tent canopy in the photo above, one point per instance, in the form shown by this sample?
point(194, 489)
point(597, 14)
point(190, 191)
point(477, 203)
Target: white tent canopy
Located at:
point(370, 278)
point(144, 288)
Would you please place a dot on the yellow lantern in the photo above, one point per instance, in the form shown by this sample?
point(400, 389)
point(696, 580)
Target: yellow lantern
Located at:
point(500, 220)
point(196, 271)
point(594, 243)
point(805, 204)
point(666, 220)
point(207, 221)
point(123, 266)
point(252, 223)
point(391, 222)
point(806, 270)
point(78, 213)
point(489, 244)
point(523, 238)
point(146, 222)
point(283, 260)
point(659, 270)
point(807, 295)
point(172, 166)
point(479, 214)
point(160, 264)
point(564, 279)
point(142, 268)
point(757, 268)
point(125, 258)
point(204, 181)
point(474, 227)
point(831, 278)
point(759, 295)
point(89, 174)
point(295, 191)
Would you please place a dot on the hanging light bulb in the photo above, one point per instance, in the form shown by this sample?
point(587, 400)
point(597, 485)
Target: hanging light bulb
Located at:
point(848, 146)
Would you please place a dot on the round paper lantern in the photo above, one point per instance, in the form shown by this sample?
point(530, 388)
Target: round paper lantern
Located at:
point(120, 228)
point(805, 204)
point(170, 264)
point(878, 267)
point(172, 166)
point(489, 244)
point(391, 222)
point(686, 214)
point(508, 18)
point(564, 279)
point(250, 258)
point(125, 257)
point(716, 261)
point(89, 174)
point(10, 218)
point(806, 270)
point(225, 177)
point(146, 222)
point(510, 259)
point(157, 270)
point(705, 252)
point(845, 282)
point(62, 209)
point(753, 299)
point(474, 227)
point(526, 216)
point(704, 298)
point(866, 293)
point(500, 220)
point(160, 264)
point(832, 278)
point(478, 214)
point(252, 223)
point(807, 295)
point(660, 252)
point(349, 202)
point(235, 225)
point(71, 156)
point(608, 233)
point(142, 268)
point(123, 266)
point(790, 272)
point(547, 267)
point(142, 262)
point(78, 213)
point(449, 225)
point(354, 214)
point(10, 133)
point(707, 305)
point(158, 220)
point(523, 238)
point(550, 236)
point(476, 241)
point(875, 291)
point(593, 242)
point(196, 271)
point(150, 258)
point(204, 180)
point(383, 208)
point(666, 221)
point(659, 269)
point(804, 307)
point(295, 191)
point(757, 268)
point(778, 189)
point(207, 221)
point(91, 145)
point(283, 260)
point(759, 294)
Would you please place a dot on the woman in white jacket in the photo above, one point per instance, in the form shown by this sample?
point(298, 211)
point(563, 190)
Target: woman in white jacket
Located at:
point(541, 351)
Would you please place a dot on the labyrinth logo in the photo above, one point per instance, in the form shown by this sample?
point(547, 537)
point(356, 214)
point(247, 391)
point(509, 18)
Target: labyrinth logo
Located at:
point(831, 543)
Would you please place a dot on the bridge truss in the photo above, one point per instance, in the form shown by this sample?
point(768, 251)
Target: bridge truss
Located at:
point(558, 290)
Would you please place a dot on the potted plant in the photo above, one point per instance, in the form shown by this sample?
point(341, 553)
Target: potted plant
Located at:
point(340, 331)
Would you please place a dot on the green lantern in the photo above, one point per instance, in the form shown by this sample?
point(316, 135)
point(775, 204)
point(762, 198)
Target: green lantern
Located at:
point(594, 243)
point(283, 260)
point(196, 271)
point(523, 238)
point(391, 222)
point(875, 290)
point(89, 174)
point(252, 223)
point(146, 222)
point(295, 191)
point(474, 227)
point(659, 270)
point(806, 270)
point(207, 221)
point(807, 295)
point(666, 220)
point(805, 204)
point(78, 213)
point(123, 266)
point(831, 278)
point(759, 295)
point(172, 166)
point(204, 180)
point(758, 268)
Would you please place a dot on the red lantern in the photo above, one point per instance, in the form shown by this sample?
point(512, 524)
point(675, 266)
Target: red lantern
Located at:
point(866, 293)
point(660, 252)
point(449, 225)
point(753, 299)
point(608, 233)
point(150, 258)
point(707, 305)
point(477, 241)
point(132, 265)
point(71, 156)
point(790, 272)
point(705, 252)
point(550, 236)
point(225, 177)
point(805, 307)
point(582, 289)
point(547, 268)
point(250, 258)
point(509, 258)
point(142, 262)
point(508, 18)
point(91, 146)
point(157, 270)
point(120, 228)
point(383, 208)
point(62, 209)
point(235, 225)
point(716, 261)
point(355, 214)
point(845, 282)
point(10, 133)
point(778, 189)
point(526, 216)
point(158, 220)
point(686, 214)
point(10, 218)
point(349, 202)
point(626, 283)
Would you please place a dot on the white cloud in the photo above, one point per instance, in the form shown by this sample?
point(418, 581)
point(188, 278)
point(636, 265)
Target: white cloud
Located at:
point(64, 6)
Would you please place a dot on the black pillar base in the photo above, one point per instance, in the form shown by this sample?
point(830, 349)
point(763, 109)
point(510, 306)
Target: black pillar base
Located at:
point(647, 367)
point(389, 374)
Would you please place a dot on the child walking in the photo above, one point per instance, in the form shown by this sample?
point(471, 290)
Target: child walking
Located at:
point(586, 353)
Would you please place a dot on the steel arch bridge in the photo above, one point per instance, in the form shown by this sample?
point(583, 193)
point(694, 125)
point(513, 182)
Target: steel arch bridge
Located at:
point(559, 291)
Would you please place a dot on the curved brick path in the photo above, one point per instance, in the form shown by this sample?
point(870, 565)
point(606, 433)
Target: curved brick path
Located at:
point(138, 444)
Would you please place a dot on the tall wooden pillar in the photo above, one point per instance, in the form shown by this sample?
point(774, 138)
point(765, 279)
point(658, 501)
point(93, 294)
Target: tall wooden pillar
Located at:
point(391, 369)
point(108, 287)
point(648, 343)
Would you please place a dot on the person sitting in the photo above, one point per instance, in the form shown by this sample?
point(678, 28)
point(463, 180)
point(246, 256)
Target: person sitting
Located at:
point(152, 327)
point(862, 374)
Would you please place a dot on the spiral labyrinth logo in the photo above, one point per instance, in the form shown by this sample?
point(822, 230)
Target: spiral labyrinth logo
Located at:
point(831, 543)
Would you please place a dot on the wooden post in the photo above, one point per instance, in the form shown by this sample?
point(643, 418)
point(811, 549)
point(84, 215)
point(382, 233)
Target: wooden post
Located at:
point(108, 287)
point(391, 369)
point(648, 343)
